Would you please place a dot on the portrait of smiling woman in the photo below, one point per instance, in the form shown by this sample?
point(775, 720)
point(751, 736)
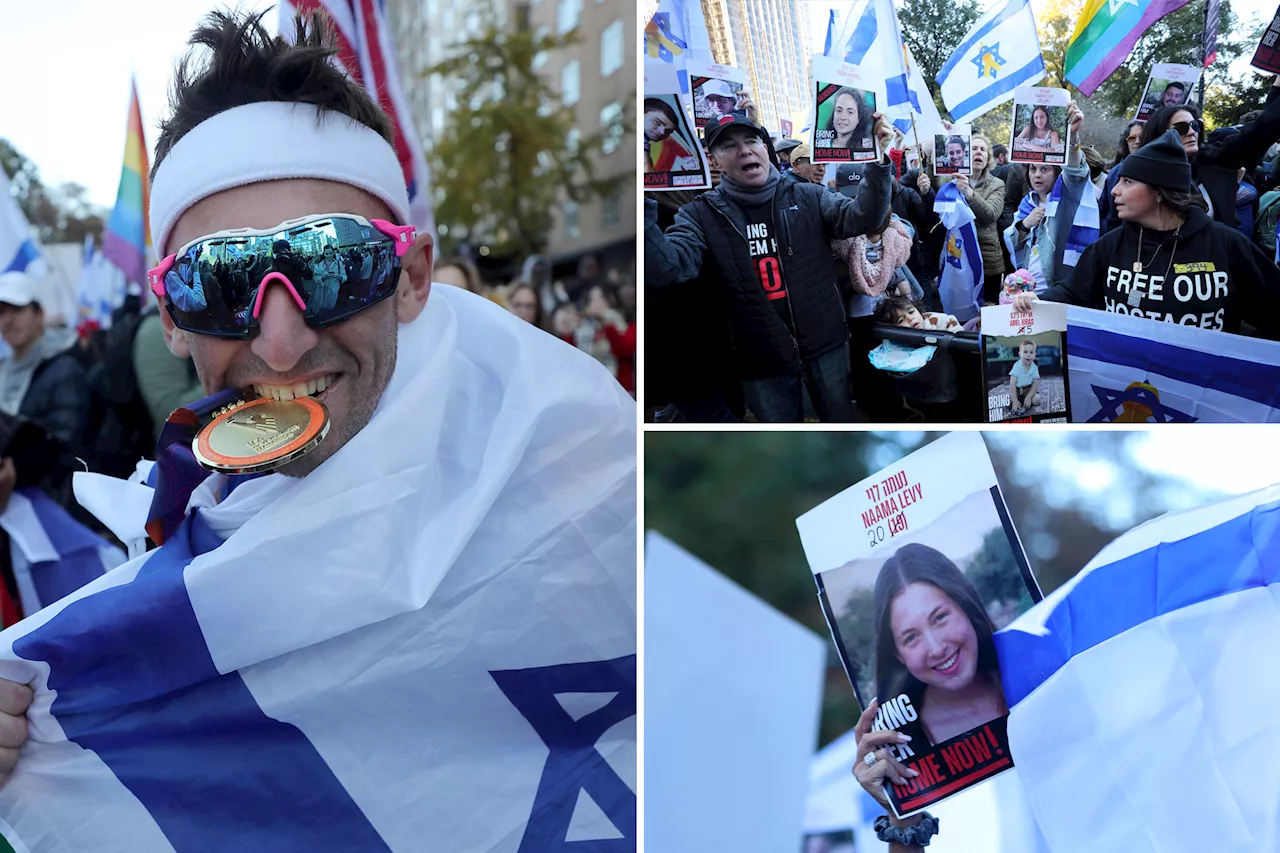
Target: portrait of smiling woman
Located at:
point(933, 643)
point(850, 122)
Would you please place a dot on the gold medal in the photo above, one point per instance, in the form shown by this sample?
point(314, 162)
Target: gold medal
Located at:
point(261, 435)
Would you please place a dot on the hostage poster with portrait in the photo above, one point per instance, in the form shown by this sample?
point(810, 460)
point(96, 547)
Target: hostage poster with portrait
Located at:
point(952, 151)
point(917, 567)
point(1267, 56)
point(717, 91)
point(1024, 364)
point(1168, 86)
point(1040, 132)
point(673, 156)
point(844, 107)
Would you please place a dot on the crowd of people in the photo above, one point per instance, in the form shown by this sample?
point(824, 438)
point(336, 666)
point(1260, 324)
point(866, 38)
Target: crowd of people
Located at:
point(594, 311)
point(766, 291)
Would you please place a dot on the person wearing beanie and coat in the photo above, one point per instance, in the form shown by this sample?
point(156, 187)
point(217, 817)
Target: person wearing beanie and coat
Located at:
point(1168, 261)
point(765, 241)
point(1214, 161)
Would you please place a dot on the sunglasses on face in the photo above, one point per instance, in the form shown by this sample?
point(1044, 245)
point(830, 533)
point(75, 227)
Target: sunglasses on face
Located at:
point(334, 265)
point(1185, 127)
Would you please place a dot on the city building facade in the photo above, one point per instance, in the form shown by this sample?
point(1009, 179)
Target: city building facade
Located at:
point(595, 78)
point(768, 39)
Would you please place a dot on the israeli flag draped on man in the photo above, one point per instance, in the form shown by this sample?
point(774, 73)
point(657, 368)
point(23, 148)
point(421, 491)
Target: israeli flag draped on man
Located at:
point(428, 643)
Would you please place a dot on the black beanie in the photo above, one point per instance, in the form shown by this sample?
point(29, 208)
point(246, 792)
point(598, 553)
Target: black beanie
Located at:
point(1160, 163)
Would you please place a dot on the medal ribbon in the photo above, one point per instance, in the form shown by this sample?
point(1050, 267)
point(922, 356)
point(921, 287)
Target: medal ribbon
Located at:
point(177, 472)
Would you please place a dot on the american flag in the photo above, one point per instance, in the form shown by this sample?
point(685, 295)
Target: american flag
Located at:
point(367, 52)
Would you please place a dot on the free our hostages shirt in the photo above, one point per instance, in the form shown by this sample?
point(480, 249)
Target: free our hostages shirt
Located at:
point(762, 244)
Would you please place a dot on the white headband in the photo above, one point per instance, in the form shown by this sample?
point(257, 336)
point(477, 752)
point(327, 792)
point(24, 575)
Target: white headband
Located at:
point(269, 141)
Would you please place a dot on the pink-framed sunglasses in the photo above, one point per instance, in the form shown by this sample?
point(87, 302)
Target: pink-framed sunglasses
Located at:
point(334, 265)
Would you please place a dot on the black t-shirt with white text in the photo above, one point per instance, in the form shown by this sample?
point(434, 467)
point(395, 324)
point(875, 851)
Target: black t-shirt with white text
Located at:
point(762, 243)
point(1205, 275)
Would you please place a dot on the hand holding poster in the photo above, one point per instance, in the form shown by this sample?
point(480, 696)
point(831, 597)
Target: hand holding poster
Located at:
point(952, 154)
point(843, 114)
point(1040, 133)
point(913, 595)
point(1024, 363)
point(717, 91)
point(1168, 86)
point(1267, 56)
point(673, 157)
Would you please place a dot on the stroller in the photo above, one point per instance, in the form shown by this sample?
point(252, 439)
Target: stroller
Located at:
point(947, 388)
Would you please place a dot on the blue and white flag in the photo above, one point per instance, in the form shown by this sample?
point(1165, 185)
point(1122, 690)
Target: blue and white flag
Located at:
point(875, 42)
point(52, 554)
point(1127, 369)
point(19, 247)
point(960, 267)
point(427, 643)
point(102, 286)
point(1084, 230)
point(831, 32)
point(1142, 694)
point(677, 33)
point(1000, 53)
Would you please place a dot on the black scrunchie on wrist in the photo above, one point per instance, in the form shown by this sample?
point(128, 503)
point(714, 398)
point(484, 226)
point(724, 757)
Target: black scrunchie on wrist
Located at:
point(911, 836)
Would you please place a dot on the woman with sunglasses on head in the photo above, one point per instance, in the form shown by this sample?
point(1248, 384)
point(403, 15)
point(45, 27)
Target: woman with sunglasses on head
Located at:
point(1169, 261)
point(1214, 164)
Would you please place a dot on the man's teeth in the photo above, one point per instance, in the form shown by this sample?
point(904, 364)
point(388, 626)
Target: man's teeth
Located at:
point(299, 389)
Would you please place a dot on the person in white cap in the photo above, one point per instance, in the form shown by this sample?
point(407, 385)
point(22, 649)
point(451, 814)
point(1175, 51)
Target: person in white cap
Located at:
point(467, 527)
point(719, 98)
point(41, 380)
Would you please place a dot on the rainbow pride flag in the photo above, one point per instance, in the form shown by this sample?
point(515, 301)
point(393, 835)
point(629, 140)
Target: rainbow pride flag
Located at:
point(126, 243)
point(1105, 33)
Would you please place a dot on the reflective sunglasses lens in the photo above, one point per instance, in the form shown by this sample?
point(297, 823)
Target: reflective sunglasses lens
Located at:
point(336, 266)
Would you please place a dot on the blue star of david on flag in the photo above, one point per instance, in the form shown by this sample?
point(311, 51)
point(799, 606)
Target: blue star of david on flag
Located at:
point(1126, 406)
point(988, 61)
point(574, 766)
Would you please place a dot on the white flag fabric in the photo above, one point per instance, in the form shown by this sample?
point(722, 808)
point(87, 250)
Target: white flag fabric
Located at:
point(19, 247)
point(1000, 53)
point(1143, 693)
point(428, 643)
point(1127, 369)
point(51, 553)
point(875, 45)
point(960, 266)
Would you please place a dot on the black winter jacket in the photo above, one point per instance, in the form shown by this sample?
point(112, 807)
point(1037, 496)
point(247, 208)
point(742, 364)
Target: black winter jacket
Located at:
point(709, 237)
point(1214, 279)
point(58, 399)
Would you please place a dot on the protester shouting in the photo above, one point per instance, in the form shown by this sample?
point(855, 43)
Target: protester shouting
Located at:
point(1169, 261)
point(1037, 240)
point(1214, 164)
point(765, 240)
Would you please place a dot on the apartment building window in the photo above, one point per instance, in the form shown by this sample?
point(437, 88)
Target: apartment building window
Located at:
point(570, 84)
point(611, 49)
point(611, 209)
point(567, 15)
point(572, 225)
point(611, 122)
